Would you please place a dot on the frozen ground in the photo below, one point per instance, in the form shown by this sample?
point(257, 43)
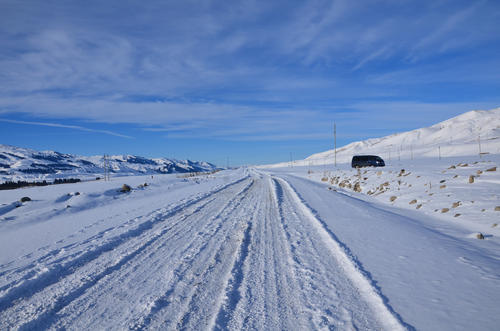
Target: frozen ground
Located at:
point(246, 249)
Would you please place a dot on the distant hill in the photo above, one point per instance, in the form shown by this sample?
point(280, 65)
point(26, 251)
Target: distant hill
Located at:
point(457, 136)
point(26, 164)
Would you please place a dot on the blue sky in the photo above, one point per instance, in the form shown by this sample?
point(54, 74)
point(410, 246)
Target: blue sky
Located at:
point(252, 81)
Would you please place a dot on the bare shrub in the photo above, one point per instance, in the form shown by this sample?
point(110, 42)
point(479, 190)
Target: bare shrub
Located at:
point(125, 188)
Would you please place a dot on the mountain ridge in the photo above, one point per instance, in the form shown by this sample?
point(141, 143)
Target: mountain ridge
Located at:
point(17, 163)
point(461, 135)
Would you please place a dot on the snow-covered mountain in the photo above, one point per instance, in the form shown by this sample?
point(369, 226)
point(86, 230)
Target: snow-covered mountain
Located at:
point(22, 163)
point(467, 134)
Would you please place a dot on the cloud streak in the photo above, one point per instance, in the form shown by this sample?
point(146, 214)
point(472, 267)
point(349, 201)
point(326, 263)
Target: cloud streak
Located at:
point(64, 126)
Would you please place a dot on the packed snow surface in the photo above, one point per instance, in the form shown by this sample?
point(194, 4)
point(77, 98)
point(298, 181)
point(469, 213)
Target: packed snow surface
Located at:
point(241, 249)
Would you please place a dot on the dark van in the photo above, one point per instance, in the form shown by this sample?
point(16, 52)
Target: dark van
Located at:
point(359, 161)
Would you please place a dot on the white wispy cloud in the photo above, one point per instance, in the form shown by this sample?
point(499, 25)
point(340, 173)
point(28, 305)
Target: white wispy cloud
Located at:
point(72, 127)
point(219, 68)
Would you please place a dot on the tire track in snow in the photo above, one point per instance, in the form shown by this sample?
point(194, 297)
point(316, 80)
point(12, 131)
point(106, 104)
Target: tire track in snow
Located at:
point(19, 295)
point(189, 302)
point(232, 295)
point(385, 315)
point(183, 268)
point(261, 290)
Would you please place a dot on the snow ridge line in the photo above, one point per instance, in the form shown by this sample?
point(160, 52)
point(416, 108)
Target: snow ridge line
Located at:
point(277, 198)
point(27, 287)
point(365, 284)
point(233, 282)
point(162, 301)
point(183, 324)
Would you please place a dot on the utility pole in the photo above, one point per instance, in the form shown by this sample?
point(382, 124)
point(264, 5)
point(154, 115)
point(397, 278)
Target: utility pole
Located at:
point(105, 164)
point(335, 141)
point(107, 167)
point(479, 140)
point(479, 143)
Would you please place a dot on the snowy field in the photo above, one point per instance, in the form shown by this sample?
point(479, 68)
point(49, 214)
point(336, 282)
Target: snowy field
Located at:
point(266, 249)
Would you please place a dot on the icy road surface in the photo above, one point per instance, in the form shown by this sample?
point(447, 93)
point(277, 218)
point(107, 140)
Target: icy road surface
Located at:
point(246, 253)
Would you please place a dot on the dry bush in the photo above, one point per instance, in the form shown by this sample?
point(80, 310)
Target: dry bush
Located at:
point(125, 188)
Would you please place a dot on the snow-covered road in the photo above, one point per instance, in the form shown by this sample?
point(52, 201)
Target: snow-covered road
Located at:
point(250, 253)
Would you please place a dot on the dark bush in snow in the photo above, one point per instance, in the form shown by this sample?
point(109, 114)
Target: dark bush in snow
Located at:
point(125, 188)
